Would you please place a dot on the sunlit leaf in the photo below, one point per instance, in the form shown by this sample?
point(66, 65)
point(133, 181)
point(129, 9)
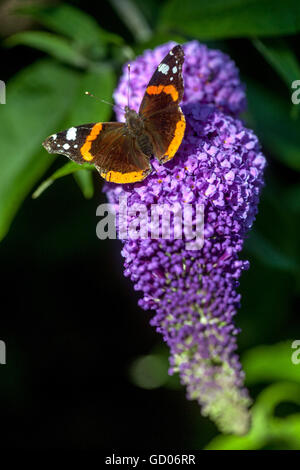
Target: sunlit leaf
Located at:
point(288, 429)
point(265, 427)
point(275, 394)
point(269, 363)
point(251, 441)
point(217, 19)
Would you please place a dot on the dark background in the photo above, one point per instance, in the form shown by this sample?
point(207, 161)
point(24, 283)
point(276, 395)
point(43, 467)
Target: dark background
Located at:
point(70, 319)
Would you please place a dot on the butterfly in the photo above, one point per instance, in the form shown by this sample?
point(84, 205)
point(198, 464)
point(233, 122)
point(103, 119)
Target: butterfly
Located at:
point(121, 151)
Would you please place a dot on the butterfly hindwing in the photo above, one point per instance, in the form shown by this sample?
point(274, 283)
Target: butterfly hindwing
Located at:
point(106, 145)
point(122, 161)
point(166, 130)
point(162, 116)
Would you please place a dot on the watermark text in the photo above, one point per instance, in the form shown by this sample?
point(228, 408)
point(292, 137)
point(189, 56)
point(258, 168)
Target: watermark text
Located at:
point(2, 352)
point(156, 221)
point(295, 358)
point(2, 92)
point(296, 94)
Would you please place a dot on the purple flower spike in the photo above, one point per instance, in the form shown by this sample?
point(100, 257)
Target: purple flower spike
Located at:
point(194, 292)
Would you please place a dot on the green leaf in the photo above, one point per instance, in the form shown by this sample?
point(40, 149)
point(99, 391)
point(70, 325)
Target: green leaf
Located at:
point(67, 169)
point(72, 22)
point(217, 19)
point(272, 427)
point(288, 429)
point(56, 46)
point(281, 57)
point(271, 119)
point(270, 363)
point(84, 179)
point(275, 394)
point(265, 427)
point(38, 99)
point(253, 440)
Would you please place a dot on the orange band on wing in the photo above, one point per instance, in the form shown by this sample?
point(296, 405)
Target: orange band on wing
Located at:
point(177, 139)
point(85, 149)
point(123, 178)
point(168, 89)
point(171, 90)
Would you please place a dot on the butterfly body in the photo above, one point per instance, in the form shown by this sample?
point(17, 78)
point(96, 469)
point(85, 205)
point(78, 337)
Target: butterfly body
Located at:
point(135, 127)
point(121, 152)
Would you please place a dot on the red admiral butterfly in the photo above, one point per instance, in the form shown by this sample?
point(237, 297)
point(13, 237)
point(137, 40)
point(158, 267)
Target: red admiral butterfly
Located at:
point(121, 152)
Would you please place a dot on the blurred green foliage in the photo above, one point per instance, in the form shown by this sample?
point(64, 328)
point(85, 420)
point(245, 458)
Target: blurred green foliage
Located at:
point(49, 88)
point(78, 55)
point(219, 19)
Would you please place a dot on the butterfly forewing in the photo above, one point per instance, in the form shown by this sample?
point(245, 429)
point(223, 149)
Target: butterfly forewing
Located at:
point(166, 84)
point(70, 142)
point(163, 118)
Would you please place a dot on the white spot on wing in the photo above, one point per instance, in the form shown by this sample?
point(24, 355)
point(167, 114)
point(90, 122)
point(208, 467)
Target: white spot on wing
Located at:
point(171, 53)
point(71, 134)
point(163, 68)
point(174, 69)
point(171, 78)
point(54, 136)
point(75, 146)
point(66, 146)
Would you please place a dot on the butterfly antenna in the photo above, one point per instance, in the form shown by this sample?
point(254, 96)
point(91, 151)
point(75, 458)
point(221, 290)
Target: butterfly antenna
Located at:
point(128, 90)
point(103, 101)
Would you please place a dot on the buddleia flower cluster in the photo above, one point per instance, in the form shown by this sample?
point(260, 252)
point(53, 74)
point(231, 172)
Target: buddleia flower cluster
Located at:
point(194, 293)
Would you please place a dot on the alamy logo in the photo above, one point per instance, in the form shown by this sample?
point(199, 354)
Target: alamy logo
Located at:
point(296, 93)
point(2, 352)
point(2, 92)
point(140, 221)
point(296, 354)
